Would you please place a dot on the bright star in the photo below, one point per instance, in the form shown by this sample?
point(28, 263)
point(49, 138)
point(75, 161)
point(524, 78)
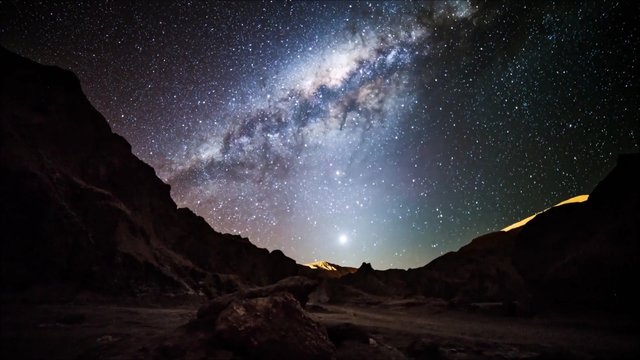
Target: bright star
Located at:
point(343, 239)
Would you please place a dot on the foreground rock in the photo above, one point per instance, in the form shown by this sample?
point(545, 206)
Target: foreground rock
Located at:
point(263, 323)
point(273, 327)
point(78, 208)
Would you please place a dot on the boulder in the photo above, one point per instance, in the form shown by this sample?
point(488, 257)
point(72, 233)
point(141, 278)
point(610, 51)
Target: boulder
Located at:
point(273, 327)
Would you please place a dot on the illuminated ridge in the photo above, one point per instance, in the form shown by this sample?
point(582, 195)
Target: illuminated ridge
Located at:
point(322, 265)
point(575, 199)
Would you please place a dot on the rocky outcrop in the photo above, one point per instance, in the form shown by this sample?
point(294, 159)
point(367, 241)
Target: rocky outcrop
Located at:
point(371, 281)
point(273, 327)
point(297, 286)
point(79, 208)
point(479, 272)
point(254, 324)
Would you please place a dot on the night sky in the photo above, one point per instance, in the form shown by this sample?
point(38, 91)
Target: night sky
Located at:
point(386, 132)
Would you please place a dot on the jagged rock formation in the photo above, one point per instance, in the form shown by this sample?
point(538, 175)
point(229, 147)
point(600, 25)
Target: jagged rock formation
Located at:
point(265, 322)
point(79, 208)
point(298, 286)
point(273, 327)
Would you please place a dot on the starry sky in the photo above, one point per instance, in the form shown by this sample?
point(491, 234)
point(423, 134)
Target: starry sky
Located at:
point(386, 132)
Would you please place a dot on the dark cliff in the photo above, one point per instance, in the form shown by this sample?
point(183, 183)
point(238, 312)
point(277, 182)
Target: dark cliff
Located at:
point(79, 208)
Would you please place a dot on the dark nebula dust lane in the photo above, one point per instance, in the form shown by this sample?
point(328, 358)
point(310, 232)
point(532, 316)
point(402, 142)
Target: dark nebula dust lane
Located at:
point(387, 132)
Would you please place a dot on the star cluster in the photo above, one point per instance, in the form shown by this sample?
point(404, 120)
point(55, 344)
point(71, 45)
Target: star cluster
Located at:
point(388, 132)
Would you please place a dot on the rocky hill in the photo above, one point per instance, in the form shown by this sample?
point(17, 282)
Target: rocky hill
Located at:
point(79, 209)
point(577, 255)
point(587, 254)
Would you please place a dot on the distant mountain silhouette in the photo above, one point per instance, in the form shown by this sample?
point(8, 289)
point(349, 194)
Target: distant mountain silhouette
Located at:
point(78, 208)
point(576, 255)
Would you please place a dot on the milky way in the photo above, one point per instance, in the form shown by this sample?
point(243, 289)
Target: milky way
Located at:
point(388, 132)
point(304, 157)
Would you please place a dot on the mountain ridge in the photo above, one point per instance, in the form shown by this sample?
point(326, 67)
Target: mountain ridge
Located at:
point(574, 199)
point(79, 208)
point(577, 255)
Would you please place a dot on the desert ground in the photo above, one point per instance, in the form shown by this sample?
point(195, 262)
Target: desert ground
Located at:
point(404, 330)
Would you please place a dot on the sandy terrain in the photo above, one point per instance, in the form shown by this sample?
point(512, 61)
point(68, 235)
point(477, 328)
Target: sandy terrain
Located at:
point(84, 331)
point(470, 335)
point(112, 332)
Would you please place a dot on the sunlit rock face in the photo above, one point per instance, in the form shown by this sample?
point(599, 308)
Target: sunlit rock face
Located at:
point(575, 199)
point(324, 269)
point(322, 265)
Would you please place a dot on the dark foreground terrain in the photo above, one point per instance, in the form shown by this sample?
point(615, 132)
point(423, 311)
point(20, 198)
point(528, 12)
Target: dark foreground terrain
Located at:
point(422, 331)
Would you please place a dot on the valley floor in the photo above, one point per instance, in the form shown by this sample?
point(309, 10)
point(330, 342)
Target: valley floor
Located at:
point(84, 331)
point(117, 332)
point(464, 335)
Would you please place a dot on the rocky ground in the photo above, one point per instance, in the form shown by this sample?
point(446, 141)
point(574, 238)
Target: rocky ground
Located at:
point(84, 331)
point(395, 330)
point(433, 331)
